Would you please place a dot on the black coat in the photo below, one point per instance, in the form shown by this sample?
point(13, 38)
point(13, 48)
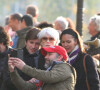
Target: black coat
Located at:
point(91, 72)
point(34, 60)
point(5, 80)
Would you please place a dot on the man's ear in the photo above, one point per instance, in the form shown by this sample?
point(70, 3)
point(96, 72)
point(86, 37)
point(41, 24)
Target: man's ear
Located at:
point(11, 43)
point(60, 57)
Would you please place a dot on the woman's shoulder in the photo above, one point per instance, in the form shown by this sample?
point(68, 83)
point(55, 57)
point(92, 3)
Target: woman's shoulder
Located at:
point(81, 54)
point(88, 59)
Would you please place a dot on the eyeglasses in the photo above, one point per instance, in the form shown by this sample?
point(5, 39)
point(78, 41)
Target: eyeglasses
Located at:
point(46, 39)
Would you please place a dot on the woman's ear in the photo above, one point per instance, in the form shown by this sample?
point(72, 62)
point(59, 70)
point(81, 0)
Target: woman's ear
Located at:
point(76, 42)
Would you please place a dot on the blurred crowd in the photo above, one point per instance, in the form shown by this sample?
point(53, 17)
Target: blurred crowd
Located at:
point(48, 56)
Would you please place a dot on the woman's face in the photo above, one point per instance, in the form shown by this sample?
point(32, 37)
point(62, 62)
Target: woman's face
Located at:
point(48, 41)
point(68, 42)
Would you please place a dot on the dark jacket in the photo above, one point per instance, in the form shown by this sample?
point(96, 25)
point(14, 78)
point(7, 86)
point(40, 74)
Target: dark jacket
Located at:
point(5, 80)
point(34, 60)
point(21, 37)
point(91, 72)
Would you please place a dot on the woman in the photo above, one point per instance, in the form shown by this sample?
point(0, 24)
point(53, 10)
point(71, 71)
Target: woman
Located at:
point(48, 37)
point(72, 42)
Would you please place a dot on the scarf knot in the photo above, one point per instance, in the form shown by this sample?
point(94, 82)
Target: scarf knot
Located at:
point(73, 55)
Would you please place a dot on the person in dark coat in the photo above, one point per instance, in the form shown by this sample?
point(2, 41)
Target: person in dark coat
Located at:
point(94, 30)
point(5, 80)
point(30, 51)
point(72, 42)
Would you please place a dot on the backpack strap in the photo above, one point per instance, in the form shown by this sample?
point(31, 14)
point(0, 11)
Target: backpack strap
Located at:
point(84, 65)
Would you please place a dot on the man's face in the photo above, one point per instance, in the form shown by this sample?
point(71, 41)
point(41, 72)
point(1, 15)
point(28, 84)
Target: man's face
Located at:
point(32, 45)
point(13, 23)
point(91, 28)
point(57, 26)
point(50, 58)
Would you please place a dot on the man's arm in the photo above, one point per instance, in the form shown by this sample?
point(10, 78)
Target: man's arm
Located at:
point(58, 73)
point(17, 80)
point(20, 83)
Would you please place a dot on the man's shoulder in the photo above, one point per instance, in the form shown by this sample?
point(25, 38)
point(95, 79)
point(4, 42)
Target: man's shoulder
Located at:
point(23, 31)
point(64, 66)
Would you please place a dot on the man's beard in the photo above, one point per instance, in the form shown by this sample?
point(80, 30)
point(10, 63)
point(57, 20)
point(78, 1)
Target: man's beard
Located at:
point(47, 65)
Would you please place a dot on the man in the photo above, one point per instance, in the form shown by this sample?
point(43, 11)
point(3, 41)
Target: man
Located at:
point(61, 24)
point(33, 10)
point(14, 23)
point(5, 80)
point(94, 30)
point(30, 51)
point(25, 25)
point(58, 76)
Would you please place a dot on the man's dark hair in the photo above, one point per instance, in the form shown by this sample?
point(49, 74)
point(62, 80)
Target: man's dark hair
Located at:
point(7, 20)
point(32, 10)
point(32, 34)
point(4, 37)
point(28, 20)
point(17, 16)
point(44, 25)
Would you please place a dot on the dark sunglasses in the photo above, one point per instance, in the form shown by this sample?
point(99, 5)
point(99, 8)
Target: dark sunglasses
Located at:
point(50, 39)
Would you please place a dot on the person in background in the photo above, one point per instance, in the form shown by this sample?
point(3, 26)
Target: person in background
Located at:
point(58, 76)
point(25, 25)
point(9, 29)
point(94, 30)
point(14, 23)
point(60, 24)
point(33, 10)
point(73, 43)
point(70, 23)
point(44, 24)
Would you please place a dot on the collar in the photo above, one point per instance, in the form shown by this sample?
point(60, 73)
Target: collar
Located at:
point(26, 53)
point(96, 36)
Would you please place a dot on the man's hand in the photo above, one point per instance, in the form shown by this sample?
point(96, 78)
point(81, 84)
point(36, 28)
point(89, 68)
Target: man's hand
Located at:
point(11, 65)
point(12, 62)
point(18, 63)
point(33, 80)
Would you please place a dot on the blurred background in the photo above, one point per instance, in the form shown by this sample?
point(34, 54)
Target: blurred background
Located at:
point(49, 10)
